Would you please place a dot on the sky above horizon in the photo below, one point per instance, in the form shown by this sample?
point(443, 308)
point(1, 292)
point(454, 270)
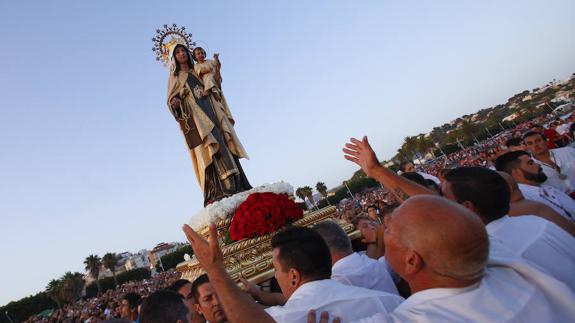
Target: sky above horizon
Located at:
point(92, 161)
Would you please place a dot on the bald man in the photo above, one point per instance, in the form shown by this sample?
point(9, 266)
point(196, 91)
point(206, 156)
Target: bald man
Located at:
point(441, 249)
point(537, 241)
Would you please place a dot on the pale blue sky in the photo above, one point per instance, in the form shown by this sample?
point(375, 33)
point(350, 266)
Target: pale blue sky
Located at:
point(91, 161)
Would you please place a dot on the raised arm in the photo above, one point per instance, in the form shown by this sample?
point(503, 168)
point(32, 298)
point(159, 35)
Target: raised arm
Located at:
point(361, 153)
point(238, 306)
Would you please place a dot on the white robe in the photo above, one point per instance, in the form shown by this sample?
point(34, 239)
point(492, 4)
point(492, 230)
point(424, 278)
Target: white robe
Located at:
point(539, 242)
point(362, 271)
point(510, 291)
point(565, 159)
point(348, 302)
point(552, 197)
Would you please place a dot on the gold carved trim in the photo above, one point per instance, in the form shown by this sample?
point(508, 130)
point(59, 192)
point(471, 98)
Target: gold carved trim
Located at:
point(252, 258)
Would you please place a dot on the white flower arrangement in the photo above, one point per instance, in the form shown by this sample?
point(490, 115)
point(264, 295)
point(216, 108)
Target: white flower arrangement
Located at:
point(225, 207)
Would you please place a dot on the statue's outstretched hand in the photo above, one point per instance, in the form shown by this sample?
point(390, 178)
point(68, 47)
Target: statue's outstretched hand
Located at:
point(208, 253)
point(361, 153)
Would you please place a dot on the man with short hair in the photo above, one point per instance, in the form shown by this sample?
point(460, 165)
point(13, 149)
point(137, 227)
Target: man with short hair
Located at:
point(558, 164)
point(129, 306)
point(164, 306)
point(351, 268)
point(208, 302)
point(530, 176)
point(303, 264)
point(184, 288)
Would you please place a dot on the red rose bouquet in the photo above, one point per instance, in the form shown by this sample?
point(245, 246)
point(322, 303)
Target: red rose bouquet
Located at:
point(263, 213)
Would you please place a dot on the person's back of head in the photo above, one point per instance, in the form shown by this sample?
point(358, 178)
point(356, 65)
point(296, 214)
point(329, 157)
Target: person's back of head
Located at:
point(175, 286)
point(479, 189)
point(514, 143)
point(164, 306)
point(335, 237)
point(299, 255)
point(433, 243)
point(415, 177)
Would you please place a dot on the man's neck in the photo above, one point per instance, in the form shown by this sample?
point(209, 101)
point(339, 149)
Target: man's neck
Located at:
point(418, 285)
point(544, 156)
point(337, 256)
point(525, 181)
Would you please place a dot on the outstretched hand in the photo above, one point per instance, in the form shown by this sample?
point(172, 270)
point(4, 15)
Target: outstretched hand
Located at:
point(361, 153)
point(208, 253)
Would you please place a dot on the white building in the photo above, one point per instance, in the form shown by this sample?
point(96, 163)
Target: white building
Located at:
point(138, 260)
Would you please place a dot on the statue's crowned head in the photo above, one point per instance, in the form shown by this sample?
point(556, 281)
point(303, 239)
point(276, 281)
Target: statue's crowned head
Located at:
point(167, 40)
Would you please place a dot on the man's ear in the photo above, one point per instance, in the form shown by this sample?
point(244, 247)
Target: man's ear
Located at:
point(413, 262)
point(198, 309)
point(295, 277)
point(470, 206)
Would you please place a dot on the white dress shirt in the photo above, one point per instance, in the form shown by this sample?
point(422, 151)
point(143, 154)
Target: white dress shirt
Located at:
point(552, 197)
point(564, 158)
point(362, 271)
point(348, 302)
point(510, 291)
point(539, 242)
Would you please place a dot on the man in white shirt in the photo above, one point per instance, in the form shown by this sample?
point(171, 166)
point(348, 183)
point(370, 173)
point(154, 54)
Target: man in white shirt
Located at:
point(443, 251)
point(486, 193)
point(530, 176)
point(558, 164)
point(303, 268)
point(539, 242)
point(351, 268)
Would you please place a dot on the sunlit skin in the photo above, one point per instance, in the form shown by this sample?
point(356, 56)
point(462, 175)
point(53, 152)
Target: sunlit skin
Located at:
point(428, 238)
point(209, 304)
point(283, 277)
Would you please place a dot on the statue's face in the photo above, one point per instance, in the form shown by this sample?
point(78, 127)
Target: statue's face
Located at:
point(181, 55)
point(199, 55)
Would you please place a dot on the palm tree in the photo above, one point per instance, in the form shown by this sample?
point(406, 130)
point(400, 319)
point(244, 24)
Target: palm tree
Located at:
point(93, 264)
point(53, 291)
point(299, 193)
point(110, 260)
point(308, 192)
point(322, 189)
point(71, 285)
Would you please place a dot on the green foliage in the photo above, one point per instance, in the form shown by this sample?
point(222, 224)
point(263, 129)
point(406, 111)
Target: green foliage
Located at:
point(172, 259)
point(22, 309)
point(93, 264)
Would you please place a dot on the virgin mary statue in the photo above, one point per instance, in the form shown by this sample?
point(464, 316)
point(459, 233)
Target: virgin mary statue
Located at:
point(208, 127)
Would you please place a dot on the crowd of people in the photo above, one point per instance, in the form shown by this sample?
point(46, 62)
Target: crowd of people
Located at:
point(484, 234)
point(121, 302)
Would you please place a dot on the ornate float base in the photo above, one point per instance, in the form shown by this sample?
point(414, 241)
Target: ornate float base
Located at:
point(252, 258)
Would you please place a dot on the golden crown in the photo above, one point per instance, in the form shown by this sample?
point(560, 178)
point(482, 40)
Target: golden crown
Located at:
point(163, 46)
